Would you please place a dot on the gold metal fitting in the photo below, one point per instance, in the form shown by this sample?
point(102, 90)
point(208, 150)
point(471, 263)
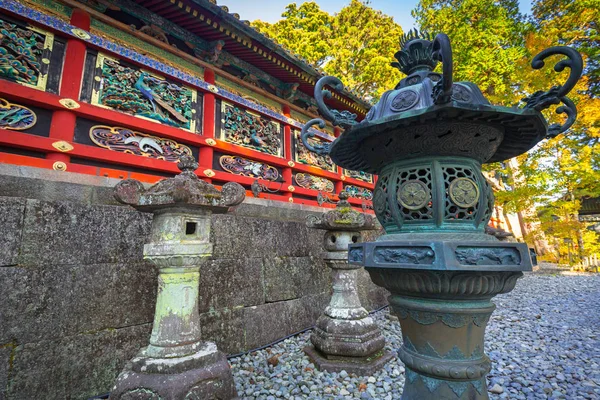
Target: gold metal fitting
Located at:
point(211, 142)
point(63, 146)
point(80, 33)
point(209, 172)
point(291, 188)
point(290, 200)
point(59, 166)
point(291, 163)
point(343, 177)
point(213, 88)
point(69, 103)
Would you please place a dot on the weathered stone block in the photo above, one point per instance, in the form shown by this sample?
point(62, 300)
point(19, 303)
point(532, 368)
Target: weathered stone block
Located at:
point(5, 355)
point(272, 321)
point(225, 327)
point(55, 300)
point(287, 278)
point(73, 367)
point(229, 282)
point(253, 237)
point(12, 211)
point(72, 233)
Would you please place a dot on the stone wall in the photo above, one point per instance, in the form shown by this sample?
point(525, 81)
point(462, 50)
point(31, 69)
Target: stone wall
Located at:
point(77, 300)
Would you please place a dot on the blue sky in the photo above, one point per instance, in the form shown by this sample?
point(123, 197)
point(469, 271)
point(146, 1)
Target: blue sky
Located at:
point(270, 10)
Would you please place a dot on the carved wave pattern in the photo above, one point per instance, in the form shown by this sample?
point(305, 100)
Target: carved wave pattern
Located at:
point(127, 141)
point(243, 166)
point(445, 284)
point(308, 181)
point(15, 116)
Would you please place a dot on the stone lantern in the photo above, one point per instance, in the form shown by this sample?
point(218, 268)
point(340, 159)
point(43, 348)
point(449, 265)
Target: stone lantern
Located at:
point(345, 336)
point(426, 140)
point(178, 364)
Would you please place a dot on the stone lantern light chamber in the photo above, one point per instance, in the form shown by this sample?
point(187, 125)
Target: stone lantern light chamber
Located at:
point(426, 140)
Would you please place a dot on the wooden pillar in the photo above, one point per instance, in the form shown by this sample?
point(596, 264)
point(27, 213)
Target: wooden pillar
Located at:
point(205, 159)
point(287, 149)
point(62, 125)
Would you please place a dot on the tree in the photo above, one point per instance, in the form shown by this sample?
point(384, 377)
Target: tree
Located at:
point(356, 45)
point(493, 46)
point(486, 38)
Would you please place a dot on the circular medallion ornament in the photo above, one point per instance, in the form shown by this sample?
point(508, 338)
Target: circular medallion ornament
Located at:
point(413, 195)
point(461, 94)
point(405, 100)
point(464, 192)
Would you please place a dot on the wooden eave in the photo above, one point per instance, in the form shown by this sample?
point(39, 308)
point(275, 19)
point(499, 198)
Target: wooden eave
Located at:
point(211, 22)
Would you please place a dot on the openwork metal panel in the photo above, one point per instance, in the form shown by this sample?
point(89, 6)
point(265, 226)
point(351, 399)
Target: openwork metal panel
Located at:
point(135, 91)
point(244, 128)
point(304, 156)
point(462, 193)
point(380, 201)
point(413, 197)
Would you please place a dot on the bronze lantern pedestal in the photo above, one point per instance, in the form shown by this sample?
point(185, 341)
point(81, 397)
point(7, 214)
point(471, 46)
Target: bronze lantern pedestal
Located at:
point(427, 140)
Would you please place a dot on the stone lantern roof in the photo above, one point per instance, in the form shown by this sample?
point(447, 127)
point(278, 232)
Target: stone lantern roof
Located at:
point(342, 218)
point(185, 189)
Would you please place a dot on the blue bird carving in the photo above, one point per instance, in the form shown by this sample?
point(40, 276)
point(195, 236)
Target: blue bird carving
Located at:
point(155, 99)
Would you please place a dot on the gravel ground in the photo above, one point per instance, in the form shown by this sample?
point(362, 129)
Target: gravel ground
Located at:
point(543, 339)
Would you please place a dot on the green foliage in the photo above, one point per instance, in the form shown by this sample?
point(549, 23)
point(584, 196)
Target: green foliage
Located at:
point(357, 44)
point(493, 45)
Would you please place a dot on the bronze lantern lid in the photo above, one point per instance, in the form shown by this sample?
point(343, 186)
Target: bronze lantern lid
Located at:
point(428, 114)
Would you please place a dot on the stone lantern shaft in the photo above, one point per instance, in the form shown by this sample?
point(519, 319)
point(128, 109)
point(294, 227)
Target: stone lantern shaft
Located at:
point(177, 363)
point(345, 336)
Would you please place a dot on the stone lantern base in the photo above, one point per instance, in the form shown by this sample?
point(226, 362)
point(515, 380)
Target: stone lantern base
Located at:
point(360, 366)
point(203, 375)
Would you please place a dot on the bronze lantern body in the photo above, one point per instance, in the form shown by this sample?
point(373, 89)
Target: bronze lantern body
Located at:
point(426, 140)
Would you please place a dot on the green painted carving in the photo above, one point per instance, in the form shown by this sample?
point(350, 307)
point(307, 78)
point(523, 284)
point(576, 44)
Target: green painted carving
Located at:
point(22, 54)
point(358, 192)
point(15, 116)
point(137, 92)
point(362, 176)
point(246, 129)
point(304, 156)
point(308, 181)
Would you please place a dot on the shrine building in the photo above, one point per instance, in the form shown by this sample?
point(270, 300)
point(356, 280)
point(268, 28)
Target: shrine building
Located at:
point(122, 89)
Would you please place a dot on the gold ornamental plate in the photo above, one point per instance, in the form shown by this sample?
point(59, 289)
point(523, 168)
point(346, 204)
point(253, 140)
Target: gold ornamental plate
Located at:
point(463, 192)
point(413, 195)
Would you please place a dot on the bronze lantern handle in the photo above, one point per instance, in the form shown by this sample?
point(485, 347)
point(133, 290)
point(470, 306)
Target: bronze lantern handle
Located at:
point(442, 51)
point(541, 100)
point(319, 148)
point(339, 118)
